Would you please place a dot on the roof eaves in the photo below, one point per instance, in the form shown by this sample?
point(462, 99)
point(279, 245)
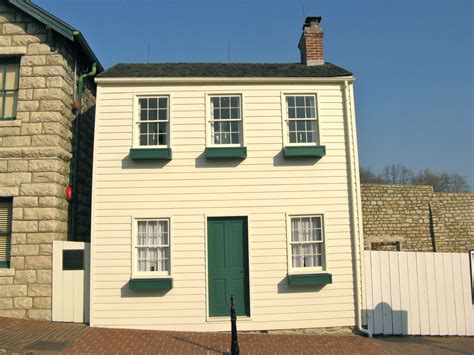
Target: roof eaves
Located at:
point(45, 17)
point(57, 25)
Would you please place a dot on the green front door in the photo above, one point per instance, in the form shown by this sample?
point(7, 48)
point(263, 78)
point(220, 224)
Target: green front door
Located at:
point(228, 265)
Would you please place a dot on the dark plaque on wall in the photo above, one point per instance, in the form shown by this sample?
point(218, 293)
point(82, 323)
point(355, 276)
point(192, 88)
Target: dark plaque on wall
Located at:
point(73, 259)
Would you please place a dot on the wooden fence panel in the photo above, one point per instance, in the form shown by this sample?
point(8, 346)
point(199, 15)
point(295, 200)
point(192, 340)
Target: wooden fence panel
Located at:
point(418, 293)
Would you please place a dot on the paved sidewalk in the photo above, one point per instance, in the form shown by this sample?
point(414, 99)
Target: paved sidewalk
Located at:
point(34, 337)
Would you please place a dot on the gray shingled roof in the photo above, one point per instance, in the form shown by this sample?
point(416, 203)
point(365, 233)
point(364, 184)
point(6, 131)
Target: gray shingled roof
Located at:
point(222, 70)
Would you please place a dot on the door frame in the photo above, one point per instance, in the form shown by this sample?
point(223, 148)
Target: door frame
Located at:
point(249, 222)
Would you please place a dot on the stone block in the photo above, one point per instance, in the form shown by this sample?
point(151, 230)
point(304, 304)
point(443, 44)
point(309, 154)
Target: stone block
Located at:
point(40, 238)
point(6, 303)
point(28, 105)
point(46, 140)
point(5, 41)
point(49, 94)
point(51, 116)
point(18, 238)
point(24, 250)
point(13, 290)
point(37, 49)
point(17, 262)
point(14, 28)
point(55, 82)
point(16, 141)
point(8, 191)
point(52, 226)
point(32, 82)
point(17, 214)
point(9, 131)
point(50, 201)
point(52, 177)
point(38, 262)
point(23, 302)
point(3, 166)
point(37, 189)
point(50, 70)
point(16, 51)
point(42, 302)
point(13, 313)
point(25, 94)
point(40, 213)
point(39, 290)
point(6, 281)
point(25, 201)
point(25, 226)
point(23, 40)
point(46, 249)
point(18, 165)
point(39, 314)
point(26, 71)
point(33, 60)
point(43, 276)
point(24, 277)
point(7, 272)
point(31, 128)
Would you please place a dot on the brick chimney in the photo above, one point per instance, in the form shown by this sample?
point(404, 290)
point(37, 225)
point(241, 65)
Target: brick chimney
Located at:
point(311, 42)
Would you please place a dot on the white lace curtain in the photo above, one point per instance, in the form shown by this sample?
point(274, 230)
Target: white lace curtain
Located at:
point(306, 238)
point(153, 246)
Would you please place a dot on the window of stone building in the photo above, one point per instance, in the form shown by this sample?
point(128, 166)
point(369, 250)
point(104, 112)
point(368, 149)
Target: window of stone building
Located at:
point(9, 74)
point(6, 209)
point(386, 246)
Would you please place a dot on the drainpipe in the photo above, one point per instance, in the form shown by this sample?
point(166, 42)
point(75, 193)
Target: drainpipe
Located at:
point(354, 184)
point(80, 92)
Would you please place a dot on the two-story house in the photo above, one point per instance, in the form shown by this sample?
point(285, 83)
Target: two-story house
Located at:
point(212, 180)
point(47, 107)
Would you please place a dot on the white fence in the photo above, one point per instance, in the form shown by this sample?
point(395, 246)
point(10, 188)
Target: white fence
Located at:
point(418, 293)
point(70, 282)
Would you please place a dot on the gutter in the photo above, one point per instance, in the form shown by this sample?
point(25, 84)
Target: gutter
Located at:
point(197, 80)
point(80, 92)
point(354, 184)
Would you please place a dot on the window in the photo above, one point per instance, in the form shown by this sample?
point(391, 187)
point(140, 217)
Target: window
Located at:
point(153, 121)
point(9, 74)
point(6, 209)
point(301, 121)
point(307, 242)
point(152, 247)
point(226, 120)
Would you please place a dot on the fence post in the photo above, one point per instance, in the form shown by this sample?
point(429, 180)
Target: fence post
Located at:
point(234, 347)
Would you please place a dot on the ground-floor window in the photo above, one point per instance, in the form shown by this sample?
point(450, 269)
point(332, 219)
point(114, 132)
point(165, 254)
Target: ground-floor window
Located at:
point(6, 208)
point(306, 244)
point(152, 247)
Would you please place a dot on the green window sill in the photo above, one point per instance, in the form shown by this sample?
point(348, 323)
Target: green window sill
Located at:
point(150, 284)
point(150, 153)
point(318, 151)
point(4, 264)
point(309, 279)
point(226, 152)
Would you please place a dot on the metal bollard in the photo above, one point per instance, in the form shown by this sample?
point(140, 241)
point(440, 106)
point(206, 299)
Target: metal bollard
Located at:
point(234, 346)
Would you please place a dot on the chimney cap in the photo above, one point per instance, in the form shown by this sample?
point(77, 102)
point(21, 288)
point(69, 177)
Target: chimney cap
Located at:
point(312, 20)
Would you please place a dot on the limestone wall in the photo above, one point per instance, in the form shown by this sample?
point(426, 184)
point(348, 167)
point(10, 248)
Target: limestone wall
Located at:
point(417, 218)
point(35, 161)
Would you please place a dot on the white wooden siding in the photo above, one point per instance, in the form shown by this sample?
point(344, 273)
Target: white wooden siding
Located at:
point(418, 293)
point(263, 187)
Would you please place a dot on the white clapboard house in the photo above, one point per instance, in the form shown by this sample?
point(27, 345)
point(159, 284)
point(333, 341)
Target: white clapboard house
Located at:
point(220, 179)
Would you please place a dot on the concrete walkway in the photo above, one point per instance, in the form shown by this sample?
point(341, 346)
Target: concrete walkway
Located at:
point(33, 337)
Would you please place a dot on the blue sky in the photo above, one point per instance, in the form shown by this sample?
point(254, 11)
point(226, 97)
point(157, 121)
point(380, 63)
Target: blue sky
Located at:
point(413, 59)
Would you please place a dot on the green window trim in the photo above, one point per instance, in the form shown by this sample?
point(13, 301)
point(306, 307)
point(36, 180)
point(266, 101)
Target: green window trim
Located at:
point(4, 264)
point(310, 279)
point(4, 63)
point(150, 284)
point(151, 154)
point(317, 151)
point(225, 153)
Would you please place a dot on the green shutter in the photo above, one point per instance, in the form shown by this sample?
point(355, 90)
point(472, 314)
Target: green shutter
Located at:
point(5, 231)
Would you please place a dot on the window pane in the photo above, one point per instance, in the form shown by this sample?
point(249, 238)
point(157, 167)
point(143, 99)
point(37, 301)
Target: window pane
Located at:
point(300, 112)
point(10, 104)
point(310, 101)
point(299, 100)
point(300, 125)
point(152, 128)
point(310, 112)
point(293, 138)
point(215, 102)
point(225, 113)
point(11, 81)
point(291, 113)
point(225, 102)
point(143, 139)
point(143, 128)
point(290, 100)
point(152, 115)
point(143, 103)
point(235, 101)
point(235, 113)
point(143, 115)
point(217, 114)
point(162, 116)
point(152, 103)
point(163, 102)
point(235, 138)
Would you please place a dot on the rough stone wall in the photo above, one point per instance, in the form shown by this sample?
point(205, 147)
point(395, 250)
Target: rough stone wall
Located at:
point(417, 218)
point(35, 161)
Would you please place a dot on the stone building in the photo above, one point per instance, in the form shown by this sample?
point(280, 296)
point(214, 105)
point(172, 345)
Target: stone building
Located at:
point(414, 218)
point(44, 93)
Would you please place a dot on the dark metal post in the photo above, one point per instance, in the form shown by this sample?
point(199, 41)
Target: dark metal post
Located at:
point(234, 347)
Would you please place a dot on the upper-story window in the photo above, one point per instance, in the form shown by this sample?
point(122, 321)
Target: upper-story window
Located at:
point(226, 120)
point(9, 73)
point(301, 120)
point(153, 121)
